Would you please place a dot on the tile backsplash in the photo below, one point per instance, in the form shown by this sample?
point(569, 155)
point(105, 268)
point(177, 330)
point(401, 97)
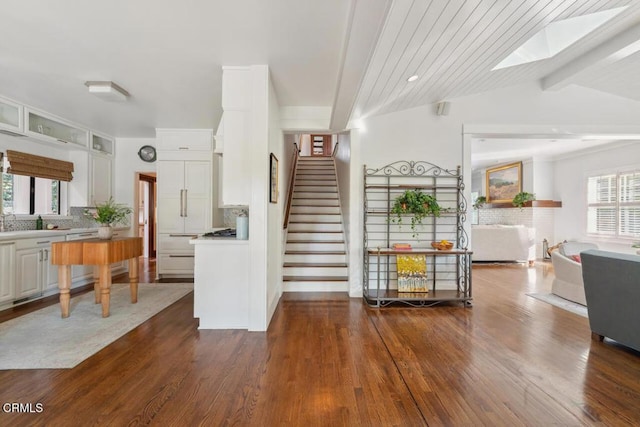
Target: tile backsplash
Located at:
point(231, 214)
point(78, 221)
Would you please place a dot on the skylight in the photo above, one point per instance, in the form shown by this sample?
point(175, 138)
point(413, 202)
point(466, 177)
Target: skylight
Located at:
point(556, 37)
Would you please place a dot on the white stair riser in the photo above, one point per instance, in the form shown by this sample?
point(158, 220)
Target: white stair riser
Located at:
point(315, 247)
point(321, 236)
point(315, 169)
point(316, 182)
point(298, 195)
point(314, 227)
point(315, 271)
point(314, 188)
point(315, 177)
point(313, 218)
point(314, 258)
point(310, 202)
point(315, 286)
point(315, 209)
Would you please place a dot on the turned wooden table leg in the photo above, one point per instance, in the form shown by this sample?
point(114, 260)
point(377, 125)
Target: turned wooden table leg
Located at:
point(96, 283)
point(105, 288)
point(64, 283)
point(133, 279)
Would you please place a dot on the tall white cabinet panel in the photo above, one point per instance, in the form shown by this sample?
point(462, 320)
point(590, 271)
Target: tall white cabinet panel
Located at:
point(101, 178)
point(185, 197)
point(7, 271)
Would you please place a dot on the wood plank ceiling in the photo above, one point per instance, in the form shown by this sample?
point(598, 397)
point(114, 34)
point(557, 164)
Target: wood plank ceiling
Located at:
point(453, 45)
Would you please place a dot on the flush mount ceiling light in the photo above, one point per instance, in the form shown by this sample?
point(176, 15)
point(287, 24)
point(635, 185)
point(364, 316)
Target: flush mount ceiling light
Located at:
point(107, 91)
point(556, 37)
point(413, 78)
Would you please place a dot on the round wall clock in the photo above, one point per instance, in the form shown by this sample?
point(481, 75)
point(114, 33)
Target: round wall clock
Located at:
point(147, 153)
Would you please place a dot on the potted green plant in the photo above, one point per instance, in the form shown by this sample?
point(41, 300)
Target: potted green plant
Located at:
point(521, 198)
point(480, 201)
point(417, 204)
point(107, 214)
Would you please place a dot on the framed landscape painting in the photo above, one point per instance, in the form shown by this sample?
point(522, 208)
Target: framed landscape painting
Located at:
point(504, 182)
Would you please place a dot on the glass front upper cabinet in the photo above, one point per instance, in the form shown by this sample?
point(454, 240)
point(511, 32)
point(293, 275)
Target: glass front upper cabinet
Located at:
point(10, 116)
point(46, 127)
point(101, 144)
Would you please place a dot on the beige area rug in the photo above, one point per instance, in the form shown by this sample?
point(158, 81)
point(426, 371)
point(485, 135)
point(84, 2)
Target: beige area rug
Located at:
point(571, 306)
point(44, 340)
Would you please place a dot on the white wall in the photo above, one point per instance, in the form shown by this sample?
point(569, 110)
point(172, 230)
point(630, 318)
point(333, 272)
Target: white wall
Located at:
point(343, 165)
point(418, 134)
point(127, 163)
point(276, 210)
point(571, 188)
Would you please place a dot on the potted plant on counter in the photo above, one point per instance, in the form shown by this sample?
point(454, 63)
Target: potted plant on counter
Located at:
point(108, 214)
point(417, 204)
point(521, 198)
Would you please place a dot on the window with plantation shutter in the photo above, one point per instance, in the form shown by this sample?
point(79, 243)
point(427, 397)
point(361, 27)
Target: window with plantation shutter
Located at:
point(613, 204)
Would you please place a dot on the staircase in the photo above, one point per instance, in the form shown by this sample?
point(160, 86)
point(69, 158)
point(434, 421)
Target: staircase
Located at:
point(315, 254)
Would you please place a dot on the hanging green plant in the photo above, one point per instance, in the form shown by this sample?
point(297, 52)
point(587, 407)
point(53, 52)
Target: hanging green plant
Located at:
point(521, 198)
point(480, 201)
point(417, 204)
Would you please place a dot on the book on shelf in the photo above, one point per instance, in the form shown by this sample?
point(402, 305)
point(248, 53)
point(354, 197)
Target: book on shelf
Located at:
point(402, 246)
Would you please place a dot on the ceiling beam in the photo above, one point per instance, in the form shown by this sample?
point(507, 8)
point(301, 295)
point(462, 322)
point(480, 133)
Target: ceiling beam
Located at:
point(366, 20)
point(613, 50)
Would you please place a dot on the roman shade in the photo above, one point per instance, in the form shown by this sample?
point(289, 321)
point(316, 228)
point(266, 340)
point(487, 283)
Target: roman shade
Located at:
point(38, 166)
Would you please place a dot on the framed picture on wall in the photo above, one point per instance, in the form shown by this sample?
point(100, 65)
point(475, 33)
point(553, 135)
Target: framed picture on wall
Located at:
point(273, 178)
point(504, 182)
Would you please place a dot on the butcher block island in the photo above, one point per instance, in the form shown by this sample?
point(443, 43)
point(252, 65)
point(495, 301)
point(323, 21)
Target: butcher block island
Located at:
point(101, 254)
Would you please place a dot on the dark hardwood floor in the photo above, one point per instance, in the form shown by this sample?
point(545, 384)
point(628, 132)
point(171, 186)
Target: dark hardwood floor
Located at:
point(328, 360)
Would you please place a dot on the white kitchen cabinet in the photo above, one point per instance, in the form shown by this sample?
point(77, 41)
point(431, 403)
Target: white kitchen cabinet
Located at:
point(46, 127)
point(184, 196)
point(184, 139)
point(102, 144)
point(34, 272)
point(7, 271)
point(184, 211)
point(10, 117)
point(101, 178)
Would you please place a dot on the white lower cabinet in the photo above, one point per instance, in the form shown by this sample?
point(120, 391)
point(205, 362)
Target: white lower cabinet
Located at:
point(175, 254)
point(34, 272)
point(7, 271)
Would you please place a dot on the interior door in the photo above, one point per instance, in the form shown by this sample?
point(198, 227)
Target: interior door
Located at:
point(321, 145)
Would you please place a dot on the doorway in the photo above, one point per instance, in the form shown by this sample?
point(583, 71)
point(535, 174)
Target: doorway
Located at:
point(146, 212)
point(321, 145)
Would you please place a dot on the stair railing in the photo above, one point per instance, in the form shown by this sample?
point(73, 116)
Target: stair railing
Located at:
point(292, 178)
point(335, 150)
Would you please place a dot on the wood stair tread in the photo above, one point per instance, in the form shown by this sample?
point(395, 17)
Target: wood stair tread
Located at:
point(315, 253)
point(313, 231)
point(316, 241)
point(315, 278)
point(315, 222)
point(315, 264)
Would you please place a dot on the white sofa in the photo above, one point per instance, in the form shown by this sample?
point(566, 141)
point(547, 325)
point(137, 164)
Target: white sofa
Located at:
point(503, 243)
point(568, 283)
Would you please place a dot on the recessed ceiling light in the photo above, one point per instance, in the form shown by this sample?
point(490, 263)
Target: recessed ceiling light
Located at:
point(413, 78)
point(556, 37)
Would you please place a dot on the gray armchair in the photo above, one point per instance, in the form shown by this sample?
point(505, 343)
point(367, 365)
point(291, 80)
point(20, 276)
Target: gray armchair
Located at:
point(612, 288)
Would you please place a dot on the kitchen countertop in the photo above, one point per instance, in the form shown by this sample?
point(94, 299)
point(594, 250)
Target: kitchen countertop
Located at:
point(200, 240)
point(25, 234)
